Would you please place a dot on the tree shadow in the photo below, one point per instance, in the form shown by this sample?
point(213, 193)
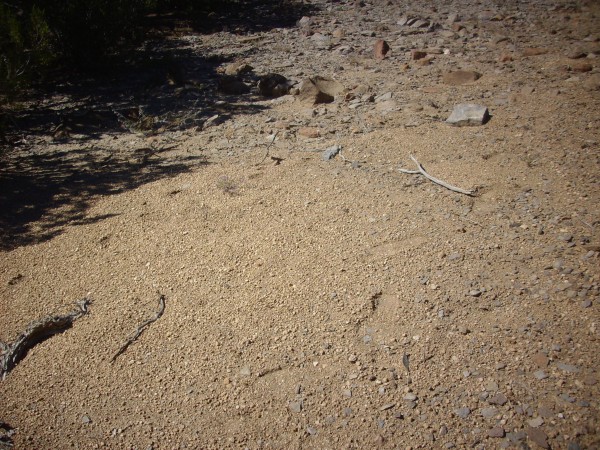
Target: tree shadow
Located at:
point(168, 84)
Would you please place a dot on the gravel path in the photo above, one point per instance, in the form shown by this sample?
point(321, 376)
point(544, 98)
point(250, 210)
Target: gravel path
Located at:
point(338, 303)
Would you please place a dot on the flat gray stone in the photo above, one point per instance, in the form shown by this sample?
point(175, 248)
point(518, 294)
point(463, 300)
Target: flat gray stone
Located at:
point(468, 114)
point(295, 406)
point(330, 153)
point(463, 413)
point(567, 367)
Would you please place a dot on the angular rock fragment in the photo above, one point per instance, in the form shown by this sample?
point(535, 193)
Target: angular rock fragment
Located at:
point(319, 90)
point(237, 69)
point(232, 86)
point(331, 152)
point(381, 49)
point(274, 85)
point(534, 52)
point(467, 114)
point(459, 77)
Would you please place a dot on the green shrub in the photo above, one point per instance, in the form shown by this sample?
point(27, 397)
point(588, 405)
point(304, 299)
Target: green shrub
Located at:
point(25, 45)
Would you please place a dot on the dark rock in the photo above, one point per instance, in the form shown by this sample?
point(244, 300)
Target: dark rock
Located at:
point(274, 85)
point(496, 432)
point(537, 436)
point(232, 86)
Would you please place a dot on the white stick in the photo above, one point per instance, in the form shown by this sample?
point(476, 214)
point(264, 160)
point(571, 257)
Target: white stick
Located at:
point(434, 179)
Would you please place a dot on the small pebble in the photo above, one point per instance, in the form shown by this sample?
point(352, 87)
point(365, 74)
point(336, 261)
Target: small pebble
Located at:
point(496, 432)
point(295, 406)
point(463, 413)
point(535, 423)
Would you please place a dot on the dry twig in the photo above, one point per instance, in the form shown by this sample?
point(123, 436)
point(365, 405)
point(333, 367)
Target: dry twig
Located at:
point(433, 179)
point(268, 147)
point(142, 327)
point(35, 333)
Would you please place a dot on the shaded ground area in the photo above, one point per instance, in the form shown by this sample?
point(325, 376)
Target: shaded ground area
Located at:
point(168, 84)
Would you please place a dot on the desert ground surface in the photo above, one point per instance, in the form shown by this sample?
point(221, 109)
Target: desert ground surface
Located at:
point(312, 302)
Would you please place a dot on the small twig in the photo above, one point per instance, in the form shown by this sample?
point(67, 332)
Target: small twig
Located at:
point(141, 328)
point(264, 372)
point(344, 158)
point(433, 179)
point(268, 147)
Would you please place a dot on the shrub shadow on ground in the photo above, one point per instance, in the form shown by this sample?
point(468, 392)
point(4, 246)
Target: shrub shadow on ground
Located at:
point(168, 84)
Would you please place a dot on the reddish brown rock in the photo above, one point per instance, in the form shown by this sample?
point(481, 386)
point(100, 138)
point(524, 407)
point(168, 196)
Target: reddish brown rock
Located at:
point(417, 54)
point(319, 90)
point(537, 436)
point(381, 49)
point(424, 61)
point(496, 432)
point(309, 132)
point(460, 77)
point(338, 33)
point(534, 51)
point(505, 57)
point(540, 360)
point(580, 66)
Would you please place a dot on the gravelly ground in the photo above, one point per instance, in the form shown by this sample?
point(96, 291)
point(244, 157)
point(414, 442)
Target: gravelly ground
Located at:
point(329, 304)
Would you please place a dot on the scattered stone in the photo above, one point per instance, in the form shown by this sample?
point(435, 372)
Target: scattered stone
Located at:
point(295, 406)
point(489, 412)
point(338, 33)
point(452, 17)
point(245, 371)
point(319, 90)
point(540, 360)
point(381, 49)
point(586, 303)
point(387, 106)
point(576, 53)
point(567, 367)
point(304, 21)
point(328, 154)
point(274, 85)
point(592, 83)
point(311, 430)
point(86, 419)
point(537, 436)
point(496, 432)
point(466, 114)
point(213, 121)
point(387, 406)
point(237, 69)
point(534, 52)
point(417, 54)
point(230, 85)
point(411, 397)
point(580, 66)
point(540, 374)
point(463, 413)
point(536, 423)
point(498, 399)
point(309, 132)
point(459, 77)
